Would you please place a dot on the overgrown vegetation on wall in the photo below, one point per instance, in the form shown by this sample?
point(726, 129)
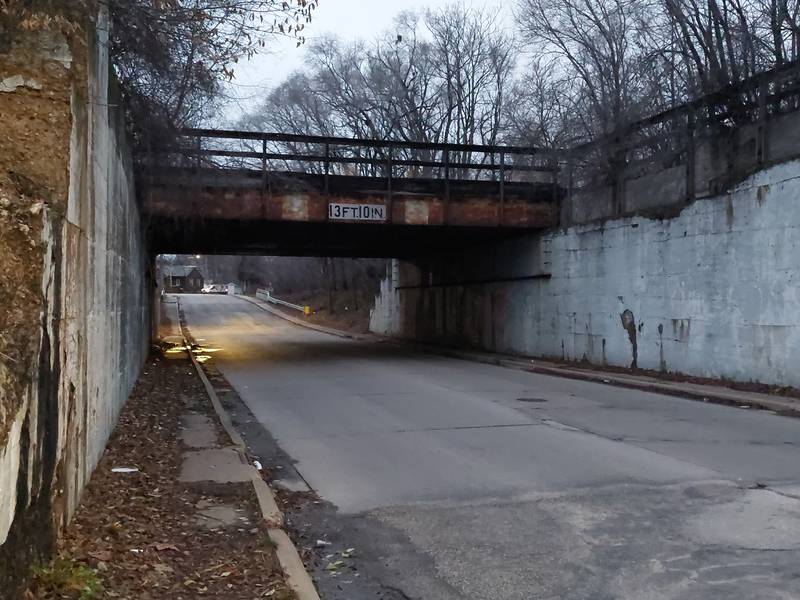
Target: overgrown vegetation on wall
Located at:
point(34, 102)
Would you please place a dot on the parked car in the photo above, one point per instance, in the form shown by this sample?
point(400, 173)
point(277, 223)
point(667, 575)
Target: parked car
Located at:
point(214, 288)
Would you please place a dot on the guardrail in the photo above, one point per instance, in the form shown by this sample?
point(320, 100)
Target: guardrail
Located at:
point(365, 157)
point(268, 297)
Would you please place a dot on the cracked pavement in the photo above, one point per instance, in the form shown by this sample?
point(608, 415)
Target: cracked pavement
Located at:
point(451, 483)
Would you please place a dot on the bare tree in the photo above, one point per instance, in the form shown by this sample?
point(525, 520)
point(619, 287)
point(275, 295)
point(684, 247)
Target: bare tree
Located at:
point(171, 56)
point(435, 77)
point(597, 42)
point(538, 107)
point(474, 61)
point(717, 38)
point(778, 23)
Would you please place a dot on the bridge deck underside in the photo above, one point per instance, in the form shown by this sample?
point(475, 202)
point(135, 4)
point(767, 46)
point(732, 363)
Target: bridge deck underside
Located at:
point(287, 213)
point(271, 238)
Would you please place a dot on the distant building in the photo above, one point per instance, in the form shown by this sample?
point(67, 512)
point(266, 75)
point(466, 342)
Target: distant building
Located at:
point(179, 278)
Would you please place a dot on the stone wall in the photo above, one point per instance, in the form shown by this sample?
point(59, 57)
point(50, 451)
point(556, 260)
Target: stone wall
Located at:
point(74, 267)
point(712, 291)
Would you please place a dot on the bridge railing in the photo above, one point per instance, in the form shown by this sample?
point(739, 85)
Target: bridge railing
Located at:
point(332, 156)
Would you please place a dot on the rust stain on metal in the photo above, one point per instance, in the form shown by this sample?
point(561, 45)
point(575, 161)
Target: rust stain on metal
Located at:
point(188, 199)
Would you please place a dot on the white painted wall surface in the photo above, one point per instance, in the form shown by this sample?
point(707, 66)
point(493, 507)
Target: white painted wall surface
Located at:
point(714, 292)
point(9, 468)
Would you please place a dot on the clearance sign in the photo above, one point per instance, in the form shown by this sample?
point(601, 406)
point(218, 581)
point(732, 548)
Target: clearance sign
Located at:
point(356, 212)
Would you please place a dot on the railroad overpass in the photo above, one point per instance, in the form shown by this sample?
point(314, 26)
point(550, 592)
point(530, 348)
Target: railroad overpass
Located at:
point(229, 192)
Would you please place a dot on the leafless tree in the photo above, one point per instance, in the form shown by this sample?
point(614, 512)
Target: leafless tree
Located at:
point(717, 38)
point(171, 56)
point(474, 61)
point(779, 24)
point(539, 106)
point(597, 43)
point(441, 76)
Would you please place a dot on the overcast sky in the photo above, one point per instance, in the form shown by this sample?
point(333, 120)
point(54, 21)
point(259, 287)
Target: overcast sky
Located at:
point(349, 19)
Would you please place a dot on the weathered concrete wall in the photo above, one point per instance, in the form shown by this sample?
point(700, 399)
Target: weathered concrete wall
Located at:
point(73, 262)
point(720, 156)
point(713, 291)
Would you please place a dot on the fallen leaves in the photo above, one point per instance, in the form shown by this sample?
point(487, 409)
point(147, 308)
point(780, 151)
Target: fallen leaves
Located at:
point(101, 555)
point(139, 531)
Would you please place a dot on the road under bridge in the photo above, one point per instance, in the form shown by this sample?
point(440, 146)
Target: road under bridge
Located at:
point(462, 481)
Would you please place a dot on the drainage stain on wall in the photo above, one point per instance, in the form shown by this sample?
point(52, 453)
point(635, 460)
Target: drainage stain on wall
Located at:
point(681, 329)
point(761, 194)
point(629, 325)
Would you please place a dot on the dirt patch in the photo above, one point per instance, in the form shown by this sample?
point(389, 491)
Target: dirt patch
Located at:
point(37, 124)
point(143, 532)
point(346, 313)
point(34, 151)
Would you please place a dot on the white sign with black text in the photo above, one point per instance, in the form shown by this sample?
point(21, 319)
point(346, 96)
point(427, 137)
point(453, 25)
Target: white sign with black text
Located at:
point(356, 212)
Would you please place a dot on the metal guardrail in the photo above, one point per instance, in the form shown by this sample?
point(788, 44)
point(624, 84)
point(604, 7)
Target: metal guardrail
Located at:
point(388, 160)
point(267, 297)
point(367, 157)
point(669, 133)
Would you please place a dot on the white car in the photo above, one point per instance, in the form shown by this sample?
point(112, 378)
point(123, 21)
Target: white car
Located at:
point(214, 288)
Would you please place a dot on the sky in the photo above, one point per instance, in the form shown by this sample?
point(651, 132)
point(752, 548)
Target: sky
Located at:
point(348, 19)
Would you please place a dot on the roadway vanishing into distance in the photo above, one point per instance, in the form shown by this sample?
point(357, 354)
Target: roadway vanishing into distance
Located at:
point(453, 479)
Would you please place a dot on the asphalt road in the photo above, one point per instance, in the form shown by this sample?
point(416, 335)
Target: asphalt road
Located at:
point(465, 480)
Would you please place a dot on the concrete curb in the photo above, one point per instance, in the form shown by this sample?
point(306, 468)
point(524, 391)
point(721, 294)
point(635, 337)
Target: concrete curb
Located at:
point(296, 575)
point(266, 501)
point(321, 328)
point(735, 398)
point(294, 570)
point(786, 406)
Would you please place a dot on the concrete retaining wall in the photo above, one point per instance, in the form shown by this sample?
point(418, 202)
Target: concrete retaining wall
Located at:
point(714, 291)
point(86, 285)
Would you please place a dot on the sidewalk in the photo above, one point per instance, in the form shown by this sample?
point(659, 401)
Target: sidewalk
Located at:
point(717, 394)
point(170, 511)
